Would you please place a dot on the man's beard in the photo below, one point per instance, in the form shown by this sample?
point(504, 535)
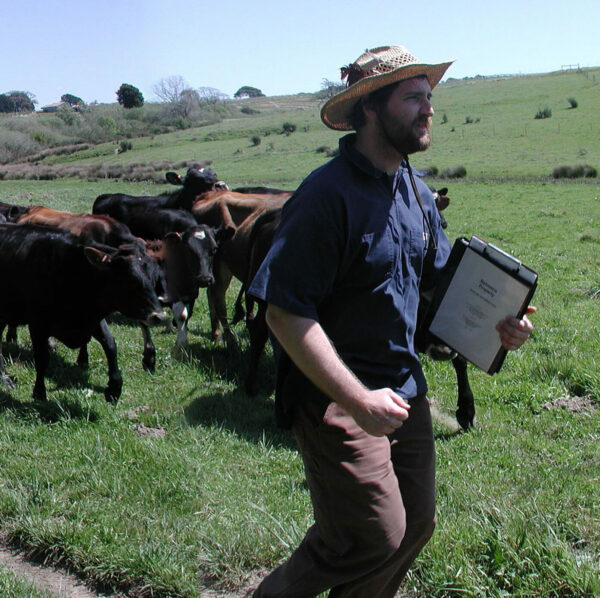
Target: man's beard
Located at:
point(404, 139)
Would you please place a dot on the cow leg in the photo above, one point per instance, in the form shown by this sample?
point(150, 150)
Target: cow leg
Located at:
point(7, 382)
point(41, 356)
point(102, 334)
point(217, 306)
point(257, 328)
point(465, 414)
point(83, 358)
point(11, 334)
point(181, 315)
point(149, 355)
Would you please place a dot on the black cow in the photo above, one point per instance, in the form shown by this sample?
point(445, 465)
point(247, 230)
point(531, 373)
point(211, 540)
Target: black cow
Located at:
point(65, 289)
point(11, 212)
point(153, 223)
point(196, 182)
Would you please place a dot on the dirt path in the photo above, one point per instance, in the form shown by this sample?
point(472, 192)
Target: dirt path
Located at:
point(48, 579)
point(60, 584)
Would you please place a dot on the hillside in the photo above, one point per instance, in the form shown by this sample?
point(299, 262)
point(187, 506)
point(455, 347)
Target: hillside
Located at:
point(486, 125)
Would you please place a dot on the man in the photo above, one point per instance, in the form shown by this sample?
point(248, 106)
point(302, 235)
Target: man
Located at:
point(342, 282)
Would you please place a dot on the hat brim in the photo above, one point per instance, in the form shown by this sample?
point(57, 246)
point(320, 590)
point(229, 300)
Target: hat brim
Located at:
point(336, 111)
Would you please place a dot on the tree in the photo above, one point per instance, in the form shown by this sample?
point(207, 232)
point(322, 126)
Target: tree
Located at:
point(23, 101)
point(248, 92)
point(72, 100)
point(6, 103)
point(129, 96)
point(211, 95)
point(169, 89)
point(180, 98)
point(330, 88)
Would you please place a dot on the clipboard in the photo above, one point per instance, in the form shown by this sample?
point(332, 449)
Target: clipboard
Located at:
point(480, 285)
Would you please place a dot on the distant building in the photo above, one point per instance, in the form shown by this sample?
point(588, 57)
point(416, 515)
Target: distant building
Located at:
point(53, 107)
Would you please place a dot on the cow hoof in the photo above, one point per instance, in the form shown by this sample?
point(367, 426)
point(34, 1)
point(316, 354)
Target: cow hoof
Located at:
point(149, 365)
point(465, 421)
point(112, 393)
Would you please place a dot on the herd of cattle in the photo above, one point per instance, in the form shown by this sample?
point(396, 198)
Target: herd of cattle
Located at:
point(138, 255)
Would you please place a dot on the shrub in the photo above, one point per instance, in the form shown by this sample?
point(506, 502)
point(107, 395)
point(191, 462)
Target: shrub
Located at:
point(572, 102)
point(575, 172)
point(444, 119)
point(458, 172)
point(432, 171)
point(323, 149)
point(288, 128)
point(255, 140)
point(248, 110)
point(468, 120)
point(543, 113)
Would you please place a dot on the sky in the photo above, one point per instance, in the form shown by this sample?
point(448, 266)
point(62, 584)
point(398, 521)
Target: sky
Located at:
point(89, 48)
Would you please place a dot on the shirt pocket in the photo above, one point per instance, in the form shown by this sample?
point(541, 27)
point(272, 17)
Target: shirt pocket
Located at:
point(417, 248)
point(378, 250)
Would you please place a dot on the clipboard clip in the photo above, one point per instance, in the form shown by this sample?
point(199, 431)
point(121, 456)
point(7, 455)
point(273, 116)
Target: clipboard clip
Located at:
point(495, 254)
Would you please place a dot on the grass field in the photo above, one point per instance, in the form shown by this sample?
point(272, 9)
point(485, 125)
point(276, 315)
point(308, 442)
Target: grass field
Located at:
point(187, 484)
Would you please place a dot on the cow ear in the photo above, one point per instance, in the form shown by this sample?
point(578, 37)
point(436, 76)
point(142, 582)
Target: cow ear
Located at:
point(174, 178)
point(172, 238)
point(224, 233)
point(97, 258)
point(443, 191)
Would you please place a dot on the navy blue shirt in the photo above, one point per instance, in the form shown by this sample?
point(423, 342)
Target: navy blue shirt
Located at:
point(351, 250)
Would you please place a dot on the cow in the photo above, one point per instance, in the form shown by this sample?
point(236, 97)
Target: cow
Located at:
point(101, 228)
point(238, 211)
point(187, 259)
point(152, 223)
point(63, 288)
point(106, 230)
point(11, 212)
point(196, 182)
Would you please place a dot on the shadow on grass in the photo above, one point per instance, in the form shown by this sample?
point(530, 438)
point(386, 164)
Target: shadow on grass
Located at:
point(250, 418)
point(49, 412)
point(63, 374)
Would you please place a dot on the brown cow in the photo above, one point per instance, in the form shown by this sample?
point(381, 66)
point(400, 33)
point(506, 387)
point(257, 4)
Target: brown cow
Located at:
point(240, 211)
point(100, 228)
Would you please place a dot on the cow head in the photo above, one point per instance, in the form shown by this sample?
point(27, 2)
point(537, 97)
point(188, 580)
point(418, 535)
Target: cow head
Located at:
point(129, 286)
point(196, 180)
point(189, 258)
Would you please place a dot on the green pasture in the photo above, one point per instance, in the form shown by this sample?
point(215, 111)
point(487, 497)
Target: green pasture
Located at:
point(187, 484)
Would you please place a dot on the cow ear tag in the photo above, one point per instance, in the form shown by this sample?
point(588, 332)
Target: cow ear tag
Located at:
point(200, 235)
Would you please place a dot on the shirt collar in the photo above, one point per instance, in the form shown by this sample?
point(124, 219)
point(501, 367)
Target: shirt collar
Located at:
point(349, 152)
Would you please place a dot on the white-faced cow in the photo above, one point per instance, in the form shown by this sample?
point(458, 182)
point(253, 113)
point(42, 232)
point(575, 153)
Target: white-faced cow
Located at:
point(187, 256)
point(63, 288)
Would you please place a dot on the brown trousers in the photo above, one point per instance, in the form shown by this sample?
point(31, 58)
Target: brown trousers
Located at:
point(373, 501)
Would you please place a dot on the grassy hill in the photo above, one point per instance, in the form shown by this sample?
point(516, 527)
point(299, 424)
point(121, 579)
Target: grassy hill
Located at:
point(490, 128)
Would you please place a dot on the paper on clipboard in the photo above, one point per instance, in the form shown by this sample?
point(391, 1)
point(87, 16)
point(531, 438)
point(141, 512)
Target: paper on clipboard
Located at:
point(478, 297)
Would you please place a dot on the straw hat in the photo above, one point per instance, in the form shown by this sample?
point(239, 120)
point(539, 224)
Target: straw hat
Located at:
point(372, 70)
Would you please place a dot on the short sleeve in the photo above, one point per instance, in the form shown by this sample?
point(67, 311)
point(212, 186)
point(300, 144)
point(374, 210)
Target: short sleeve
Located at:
point(301, 266)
